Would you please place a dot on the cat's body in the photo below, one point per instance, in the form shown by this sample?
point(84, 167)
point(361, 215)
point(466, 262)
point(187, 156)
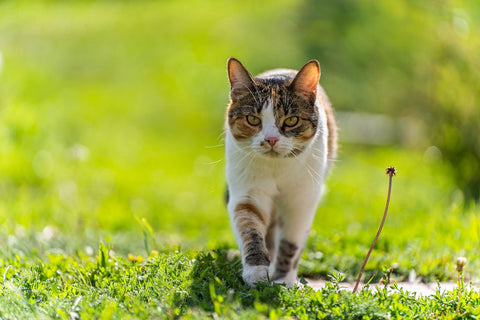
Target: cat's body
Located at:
point(280, 140)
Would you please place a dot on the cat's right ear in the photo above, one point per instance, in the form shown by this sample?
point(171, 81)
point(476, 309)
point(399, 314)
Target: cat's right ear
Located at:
point(238, 75)
point(306, 80)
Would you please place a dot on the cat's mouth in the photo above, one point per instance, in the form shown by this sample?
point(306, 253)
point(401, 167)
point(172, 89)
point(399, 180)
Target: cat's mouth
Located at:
point(292, 154)
point(272, 153)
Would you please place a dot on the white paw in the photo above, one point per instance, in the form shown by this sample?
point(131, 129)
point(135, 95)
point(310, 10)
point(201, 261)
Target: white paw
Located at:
point(254, 274)
point(288, 280)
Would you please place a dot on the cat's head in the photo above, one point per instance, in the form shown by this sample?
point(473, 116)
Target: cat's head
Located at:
point(273, 114)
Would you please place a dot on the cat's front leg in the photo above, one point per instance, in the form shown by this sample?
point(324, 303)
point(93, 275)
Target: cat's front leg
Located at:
point(284, 269)
point(250, 223)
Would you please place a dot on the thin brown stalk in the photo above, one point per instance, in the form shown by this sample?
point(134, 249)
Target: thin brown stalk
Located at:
point(461, 261)
point(391, 171)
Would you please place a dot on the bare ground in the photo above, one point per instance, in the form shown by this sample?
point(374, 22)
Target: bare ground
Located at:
point(423, 289)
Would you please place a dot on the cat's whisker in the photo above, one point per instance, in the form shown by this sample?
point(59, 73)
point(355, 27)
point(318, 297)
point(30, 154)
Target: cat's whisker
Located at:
point(246, 155)
point(312, 176)
point(316, 178)
point(221, 137)
point(215, 146)
point(252, 159)
point(213, 162)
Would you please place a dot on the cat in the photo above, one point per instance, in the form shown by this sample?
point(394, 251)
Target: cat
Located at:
point(280, 142)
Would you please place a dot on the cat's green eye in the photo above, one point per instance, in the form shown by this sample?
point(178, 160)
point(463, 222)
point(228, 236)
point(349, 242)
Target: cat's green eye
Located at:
point(291, 121)
point(254, 121)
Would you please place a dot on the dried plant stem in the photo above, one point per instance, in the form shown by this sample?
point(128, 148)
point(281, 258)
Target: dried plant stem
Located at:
point(391, 171)
point(461, 261)
point(460, 290)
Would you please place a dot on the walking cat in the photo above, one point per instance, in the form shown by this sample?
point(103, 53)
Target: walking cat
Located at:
point(280, 141)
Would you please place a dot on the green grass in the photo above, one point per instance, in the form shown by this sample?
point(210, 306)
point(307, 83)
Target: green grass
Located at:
point(111, 117)
point(197, 285)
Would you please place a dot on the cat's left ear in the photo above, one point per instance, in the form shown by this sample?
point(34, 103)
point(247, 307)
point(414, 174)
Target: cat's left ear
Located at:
point(307, 78)
point(238, 75)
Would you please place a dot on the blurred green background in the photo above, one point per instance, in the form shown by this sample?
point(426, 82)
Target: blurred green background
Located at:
point(112, 112)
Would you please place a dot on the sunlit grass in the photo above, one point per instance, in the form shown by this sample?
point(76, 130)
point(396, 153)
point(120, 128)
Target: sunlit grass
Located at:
point(111, 120)
point(106, 120)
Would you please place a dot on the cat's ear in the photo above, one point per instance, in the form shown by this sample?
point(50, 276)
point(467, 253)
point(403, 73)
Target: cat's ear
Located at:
point(306, 80)
point(238, 75)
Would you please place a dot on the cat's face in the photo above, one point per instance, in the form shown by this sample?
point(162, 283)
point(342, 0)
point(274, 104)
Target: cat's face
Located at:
point(273, 116)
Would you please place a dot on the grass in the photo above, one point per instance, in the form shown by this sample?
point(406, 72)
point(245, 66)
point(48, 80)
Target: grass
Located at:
point(112, 178)
point(197, 285)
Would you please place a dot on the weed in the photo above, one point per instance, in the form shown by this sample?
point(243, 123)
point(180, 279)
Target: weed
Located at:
point(461, 262)
point(391, 171)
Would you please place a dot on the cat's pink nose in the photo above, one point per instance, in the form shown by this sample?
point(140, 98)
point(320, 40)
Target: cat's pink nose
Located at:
point(271, 140)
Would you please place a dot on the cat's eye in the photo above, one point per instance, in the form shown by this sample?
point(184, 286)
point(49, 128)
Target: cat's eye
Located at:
point(254, 121)
point(291, 121)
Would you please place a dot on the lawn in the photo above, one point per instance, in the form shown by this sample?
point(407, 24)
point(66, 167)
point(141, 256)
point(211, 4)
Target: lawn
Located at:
point(112, 174)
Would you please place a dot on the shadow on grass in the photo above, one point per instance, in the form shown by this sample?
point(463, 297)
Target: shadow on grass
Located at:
point(218, 274)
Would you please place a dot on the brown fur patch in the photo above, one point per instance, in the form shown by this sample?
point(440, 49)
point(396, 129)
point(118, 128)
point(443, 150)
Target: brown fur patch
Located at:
point(246, 224)
point(241, 130)
point(251, 209)
point(302, 132)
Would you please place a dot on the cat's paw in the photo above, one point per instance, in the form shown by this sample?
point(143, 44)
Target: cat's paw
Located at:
point(253, 274)
point(287, 281)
